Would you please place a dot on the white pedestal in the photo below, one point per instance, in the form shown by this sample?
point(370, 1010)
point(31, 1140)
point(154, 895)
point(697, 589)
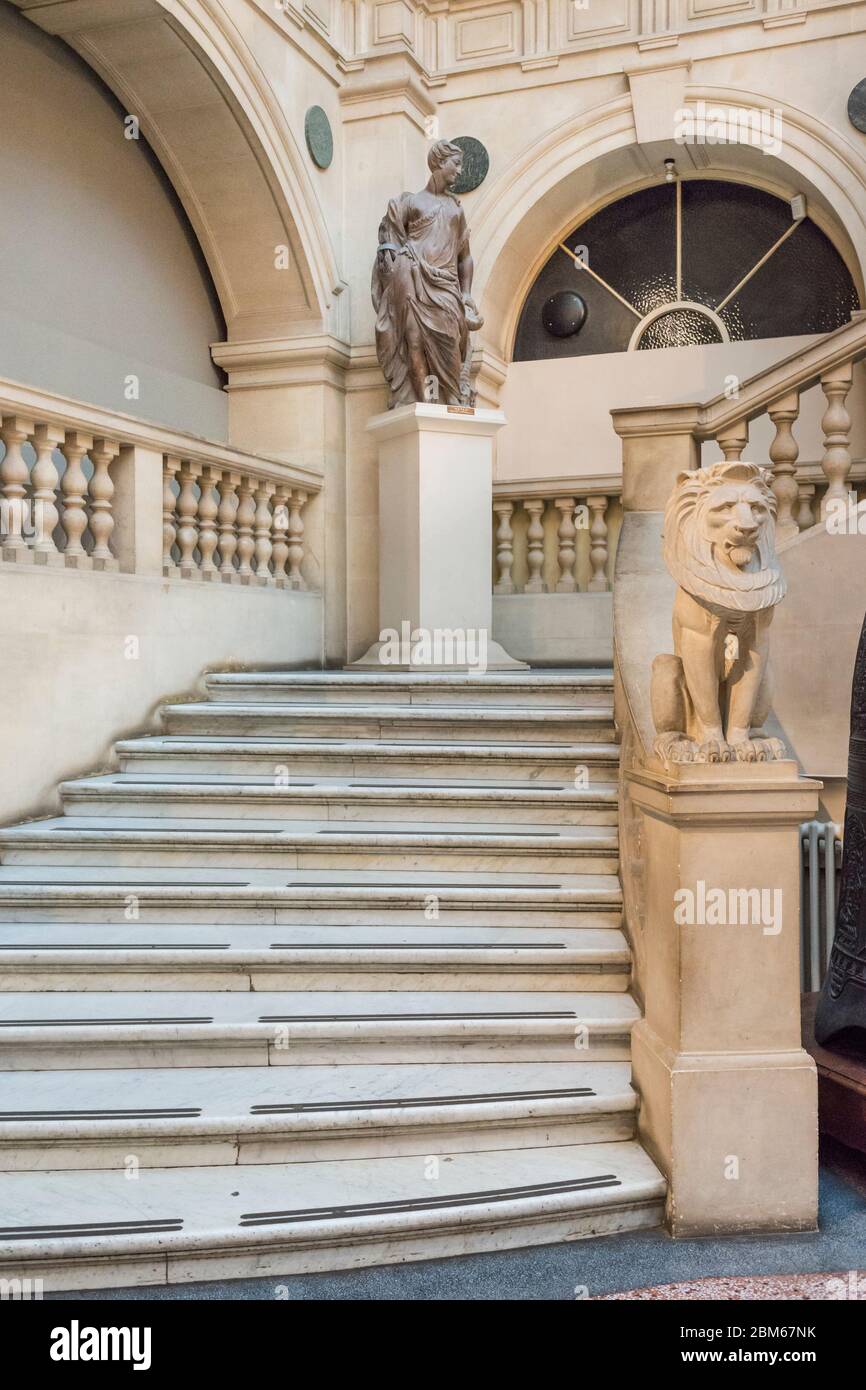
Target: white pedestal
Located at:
point(435, 539)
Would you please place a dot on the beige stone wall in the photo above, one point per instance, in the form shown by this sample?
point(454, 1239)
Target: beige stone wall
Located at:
point(88, 657)
point(101, 278)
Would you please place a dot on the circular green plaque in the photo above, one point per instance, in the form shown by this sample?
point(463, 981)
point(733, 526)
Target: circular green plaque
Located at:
point(857, 107)
point(476, 162)
point(320, 140)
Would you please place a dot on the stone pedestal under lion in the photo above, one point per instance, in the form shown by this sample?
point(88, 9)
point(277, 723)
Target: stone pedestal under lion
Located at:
point(712, 696)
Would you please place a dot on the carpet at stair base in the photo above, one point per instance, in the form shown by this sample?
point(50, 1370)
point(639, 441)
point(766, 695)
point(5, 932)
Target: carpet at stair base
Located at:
point(841, 1285)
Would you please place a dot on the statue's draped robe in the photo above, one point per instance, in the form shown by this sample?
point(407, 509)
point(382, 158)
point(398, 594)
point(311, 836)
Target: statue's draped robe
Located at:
point(428, 288)
point(842, 1005)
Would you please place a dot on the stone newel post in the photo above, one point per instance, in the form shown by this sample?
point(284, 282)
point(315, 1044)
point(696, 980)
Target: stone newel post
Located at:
point(710, 862)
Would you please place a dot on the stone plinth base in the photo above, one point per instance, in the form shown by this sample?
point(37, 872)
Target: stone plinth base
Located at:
point(435, 541)
point(728, 1095)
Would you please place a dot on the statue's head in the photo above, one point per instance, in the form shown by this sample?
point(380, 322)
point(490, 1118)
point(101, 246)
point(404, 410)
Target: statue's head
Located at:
point(446, 160)
point(719, 535)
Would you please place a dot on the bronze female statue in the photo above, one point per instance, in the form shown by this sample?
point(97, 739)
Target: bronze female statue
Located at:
point(422, 281)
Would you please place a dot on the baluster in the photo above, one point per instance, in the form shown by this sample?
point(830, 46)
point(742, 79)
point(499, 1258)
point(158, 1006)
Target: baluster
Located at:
point(566, 583)
point(598, 543)
point(102, 455)
point(280, 530)
point(45, 479)
point(227, 518)
point(535, 538)
point(170, 469)
point(264, 544)
point(14, 477)
point(208, 510)
point(246, 516)
point(805, 512)
point(836, 424)
point(733, 440)
point(783, 453)
point(187, 513)
point(73, 486)
point(504, 548)
point(296, 539)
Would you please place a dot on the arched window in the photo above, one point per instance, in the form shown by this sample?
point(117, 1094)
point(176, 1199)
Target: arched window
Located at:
point(686, 262)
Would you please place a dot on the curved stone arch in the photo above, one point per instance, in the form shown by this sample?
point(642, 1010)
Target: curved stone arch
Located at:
point(213, 122)
point(539, 199)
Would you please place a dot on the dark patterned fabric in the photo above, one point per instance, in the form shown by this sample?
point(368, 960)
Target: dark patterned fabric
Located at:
point(842, 1006)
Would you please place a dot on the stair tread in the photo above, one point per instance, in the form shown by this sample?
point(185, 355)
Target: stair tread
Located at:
point(539, 678)
point(252, 1007)
point(268, 742)
point(354, 787)
point(316, 832)
point(421, 713)
point(231, 1206)
point(414, 880)
point(71, 937)
point(217, 1092)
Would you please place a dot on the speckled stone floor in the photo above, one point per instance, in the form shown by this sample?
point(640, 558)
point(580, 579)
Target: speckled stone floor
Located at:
point(648, 1262)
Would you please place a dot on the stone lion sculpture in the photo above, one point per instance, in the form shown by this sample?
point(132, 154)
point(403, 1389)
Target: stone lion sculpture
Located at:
point(713, 694)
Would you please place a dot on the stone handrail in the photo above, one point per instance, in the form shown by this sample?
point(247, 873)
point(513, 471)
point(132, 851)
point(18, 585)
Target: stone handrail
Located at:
point(550, 514)
point(775, 392)
point(88, 488)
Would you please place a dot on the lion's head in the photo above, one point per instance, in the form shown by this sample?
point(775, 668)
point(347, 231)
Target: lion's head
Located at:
point(718, 536)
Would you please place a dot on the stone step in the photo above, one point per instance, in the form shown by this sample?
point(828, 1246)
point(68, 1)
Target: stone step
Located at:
point(283, 759)
point(256, 895)
point(83, 956)
point(85, 1030)
point(484, 723)
point(342, 799)
point(369, 845)
point(211, 1116)
point(579, 687)
point(85, 1229)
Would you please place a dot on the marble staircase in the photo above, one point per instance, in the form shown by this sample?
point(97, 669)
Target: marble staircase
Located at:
point(330, 972)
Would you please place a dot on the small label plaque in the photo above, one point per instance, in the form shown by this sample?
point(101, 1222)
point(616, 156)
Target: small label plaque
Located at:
point(461, 409)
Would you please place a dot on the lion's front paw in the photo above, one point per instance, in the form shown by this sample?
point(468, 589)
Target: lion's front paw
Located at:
point(759, 750)
point(675, 748)
point(713, 750)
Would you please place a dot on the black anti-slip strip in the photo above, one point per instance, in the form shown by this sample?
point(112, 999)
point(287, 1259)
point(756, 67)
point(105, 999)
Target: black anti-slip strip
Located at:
point(113, 946)
point(83, 830)
point(132, 885)
point(93, 1228)
point(454, 834)
point(157, 1114)
point(90, 1022)
point(413, 1102)
point(455, 1199)
point(406, 1018)
point(420, 946)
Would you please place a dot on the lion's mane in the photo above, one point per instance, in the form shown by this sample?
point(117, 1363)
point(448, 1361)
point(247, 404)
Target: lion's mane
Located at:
point(688, 551)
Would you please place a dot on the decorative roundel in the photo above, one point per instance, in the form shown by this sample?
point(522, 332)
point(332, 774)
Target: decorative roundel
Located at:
point(476, 163)
point(857, 107)
point(320, 140)
point(564, 314)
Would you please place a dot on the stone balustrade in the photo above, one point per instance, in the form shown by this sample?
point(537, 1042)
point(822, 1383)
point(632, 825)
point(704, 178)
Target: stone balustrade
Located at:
point(554, 535)
point(804, 492)
point(86, 488)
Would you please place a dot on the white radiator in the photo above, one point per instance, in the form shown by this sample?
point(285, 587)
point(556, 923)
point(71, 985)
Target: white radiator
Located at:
point(820, 861)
